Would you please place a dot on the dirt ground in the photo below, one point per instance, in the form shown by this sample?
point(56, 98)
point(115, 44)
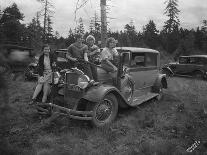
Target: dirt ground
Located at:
point(169, 126)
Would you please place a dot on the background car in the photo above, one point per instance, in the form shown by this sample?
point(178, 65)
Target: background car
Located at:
point(18, 57)
point(193, 65)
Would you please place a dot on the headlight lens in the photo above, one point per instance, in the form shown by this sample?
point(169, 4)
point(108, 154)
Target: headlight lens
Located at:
point(83, 81)
point(56, 77)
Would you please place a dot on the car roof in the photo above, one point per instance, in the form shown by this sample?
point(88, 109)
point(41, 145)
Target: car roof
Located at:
point(200, 56)
point(137, 49)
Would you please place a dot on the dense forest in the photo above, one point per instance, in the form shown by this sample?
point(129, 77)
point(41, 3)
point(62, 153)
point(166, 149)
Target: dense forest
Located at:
point(172, 39)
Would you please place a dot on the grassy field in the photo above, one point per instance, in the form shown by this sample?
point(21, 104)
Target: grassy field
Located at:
point(169, 126)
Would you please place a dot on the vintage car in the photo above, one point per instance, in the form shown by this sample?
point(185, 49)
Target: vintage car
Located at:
point(17, 57)
point(61, 61)
point(193, 65)
point(138, 81)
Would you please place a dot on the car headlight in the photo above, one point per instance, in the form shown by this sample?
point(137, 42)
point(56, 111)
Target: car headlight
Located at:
point(83, 81)
point(56, 77)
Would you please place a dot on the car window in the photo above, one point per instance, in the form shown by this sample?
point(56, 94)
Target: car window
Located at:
point(204, 61)
point(183, 60)
point(138, 60)
point(126, 58)
point(193, 60)
point(150, 59)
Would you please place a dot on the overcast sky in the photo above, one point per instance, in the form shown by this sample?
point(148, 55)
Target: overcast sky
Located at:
point(123, 11)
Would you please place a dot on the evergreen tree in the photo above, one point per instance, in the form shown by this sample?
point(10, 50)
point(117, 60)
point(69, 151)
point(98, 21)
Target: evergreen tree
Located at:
point(150, 35)
point(130, 34)
point(11, 28)
point(35, 32)
point(80, 28)
point(172, 12)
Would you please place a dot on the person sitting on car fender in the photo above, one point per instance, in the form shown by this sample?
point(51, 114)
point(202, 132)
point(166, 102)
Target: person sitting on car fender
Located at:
point(78, 50)
point(45, 64)
point(93, 54)
point(108, 56)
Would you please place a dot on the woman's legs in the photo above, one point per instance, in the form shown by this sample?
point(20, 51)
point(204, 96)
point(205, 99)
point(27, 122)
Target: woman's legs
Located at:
point(46, 89)
point(37, 90)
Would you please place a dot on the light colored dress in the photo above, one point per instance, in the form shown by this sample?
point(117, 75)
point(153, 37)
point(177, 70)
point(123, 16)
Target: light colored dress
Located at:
point(108, 53)
point(47, 74)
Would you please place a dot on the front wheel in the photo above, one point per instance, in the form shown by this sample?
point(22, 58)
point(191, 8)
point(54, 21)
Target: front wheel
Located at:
point(105, 112)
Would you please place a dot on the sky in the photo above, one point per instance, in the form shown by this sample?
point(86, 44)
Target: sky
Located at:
point(120, 13)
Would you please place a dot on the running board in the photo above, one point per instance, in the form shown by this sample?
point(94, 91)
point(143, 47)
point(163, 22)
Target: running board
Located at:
point(143, 98)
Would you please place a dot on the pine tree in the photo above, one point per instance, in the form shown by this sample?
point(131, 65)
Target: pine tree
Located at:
point(150, 34)
point(47, 14)
point(11, 28)
point(80, 28)
point(131, 34)
point(172, 12)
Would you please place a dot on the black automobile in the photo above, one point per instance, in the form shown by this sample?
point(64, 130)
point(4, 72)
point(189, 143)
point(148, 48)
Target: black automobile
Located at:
point(192, 65)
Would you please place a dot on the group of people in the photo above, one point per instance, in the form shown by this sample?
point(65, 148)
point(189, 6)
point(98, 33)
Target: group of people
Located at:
point(77, 51)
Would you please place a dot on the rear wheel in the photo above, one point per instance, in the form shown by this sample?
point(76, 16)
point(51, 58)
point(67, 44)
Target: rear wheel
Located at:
point(105, 112)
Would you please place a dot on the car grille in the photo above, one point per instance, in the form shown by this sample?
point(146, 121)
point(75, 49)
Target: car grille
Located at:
point(72, 92)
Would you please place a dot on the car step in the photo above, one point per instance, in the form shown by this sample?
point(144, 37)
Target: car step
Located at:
point(143, 98)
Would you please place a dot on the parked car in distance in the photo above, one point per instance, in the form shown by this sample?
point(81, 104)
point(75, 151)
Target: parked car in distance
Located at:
point(61, 62)
point(192, 65)
point(18, 57)
point(138, 81)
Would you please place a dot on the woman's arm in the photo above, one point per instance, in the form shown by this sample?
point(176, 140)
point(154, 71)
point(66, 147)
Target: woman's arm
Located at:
point(85, 53)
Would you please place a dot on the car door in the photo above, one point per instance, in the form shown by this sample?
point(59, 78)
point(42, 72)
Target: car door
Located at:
point(181, 68)
point(142, 72)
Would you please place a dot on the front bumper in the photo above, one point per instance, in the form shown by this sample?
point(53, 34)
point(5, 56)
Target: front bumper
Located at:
point(79, 115)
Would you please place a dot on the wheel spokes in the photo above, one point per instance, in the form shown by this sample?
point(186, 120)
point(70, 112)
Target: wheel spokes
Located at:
point(104, 110)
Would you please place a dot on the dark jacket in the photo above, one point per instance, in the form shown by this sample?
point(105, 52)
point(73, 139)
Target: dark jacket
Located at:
point(41, 63)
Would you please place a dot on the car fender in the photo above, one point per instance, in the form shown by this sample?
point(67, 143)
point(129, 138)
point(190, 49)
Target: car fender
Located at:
point(96, 94)
point(161, 79)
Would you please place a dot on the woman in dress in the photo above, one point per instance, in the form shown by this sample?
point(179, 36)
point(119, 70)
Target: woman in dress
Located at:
point(45, 74)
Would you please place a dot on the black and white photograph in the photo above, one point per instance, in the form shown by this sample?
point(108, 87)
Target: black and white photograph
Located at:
point(103, 77)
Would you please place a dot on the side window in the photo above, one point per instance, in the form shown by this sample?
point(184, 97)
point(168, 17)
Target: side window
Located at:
point(151, 59)
point(193, 60)
point(126, 58)
point(183, 60)
point(138, 60)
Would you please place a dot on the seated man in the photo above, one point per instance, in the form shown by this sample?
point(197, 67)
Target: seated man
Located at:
point(78, 50)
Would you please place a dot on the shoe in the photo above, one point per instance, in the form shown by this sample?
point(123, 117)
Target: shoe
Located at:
point(33, 101)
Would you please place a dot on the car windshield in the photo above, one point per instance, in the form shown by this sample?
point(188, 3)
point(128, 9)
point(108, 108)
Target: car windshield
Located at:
point(144, 59)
